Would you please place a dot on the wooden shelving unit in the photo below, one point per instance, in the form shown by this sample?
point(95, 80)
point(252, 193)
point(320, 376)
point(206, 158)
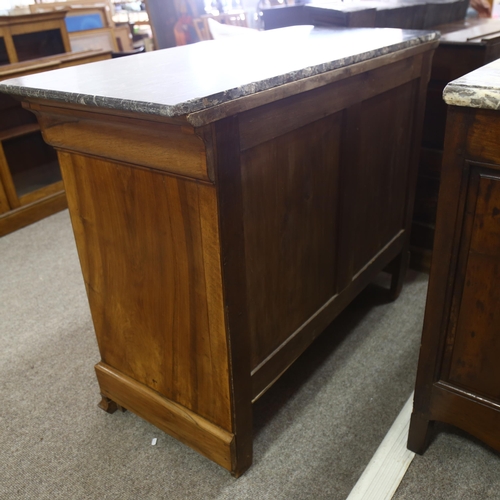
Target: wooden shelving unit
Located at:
point(18, 131)
point(28, 37)
point(30, 181)
point(31, 187)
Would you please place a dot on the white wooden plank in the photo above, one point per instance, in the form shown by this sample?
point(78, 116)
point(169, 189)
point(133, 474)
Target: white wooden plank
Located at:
point(388, 466)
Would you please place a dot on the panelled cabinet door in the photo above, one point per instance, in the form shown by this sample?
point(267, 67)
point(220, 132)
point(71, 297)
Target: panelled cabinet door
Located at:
point(472, 354)
point(458, 379)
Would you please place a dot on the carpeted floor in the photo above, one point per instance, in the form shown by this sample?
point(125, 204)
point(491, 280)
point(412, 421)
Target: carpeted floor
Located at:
point(315, 430)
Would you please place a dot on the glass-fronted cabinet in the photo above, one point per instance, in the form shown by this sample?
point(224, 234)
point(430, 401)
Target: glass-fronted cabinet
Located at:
point(30, 180)
point(31, 36)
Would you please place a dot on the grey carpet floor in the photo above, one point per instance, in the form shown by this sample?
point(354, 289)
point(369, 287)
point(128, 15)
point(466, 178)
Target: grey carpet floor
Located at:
point(315, 430)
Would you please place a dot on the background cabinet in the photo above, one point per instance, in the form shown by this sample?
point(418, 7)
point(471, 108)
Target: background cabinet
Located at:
point(458, 379)
point(30, 181)
point(464, 47)
point(32, 36)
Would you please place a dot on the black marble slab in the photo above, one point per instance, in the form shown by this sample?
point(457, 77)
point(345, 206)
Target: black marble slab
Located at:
point(182, 80)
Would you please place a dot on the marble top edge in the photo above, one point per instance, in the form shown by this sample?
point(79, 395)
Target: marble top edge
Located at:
point(478, 89)
point(479, 97)
point(19, 88)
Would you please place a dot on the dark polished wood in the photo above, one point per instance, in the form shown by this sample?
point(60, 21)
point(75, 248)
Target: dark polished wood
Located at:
point(216, 246)
point(280, 16)
point(109, 406)
point(458, 380)
point(464, 47)
point(416, 14)
point(348, 15)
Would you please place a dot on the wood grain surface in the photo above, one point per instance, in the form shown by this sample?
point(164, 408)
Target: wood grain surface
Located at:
point(458, 374)
point(222, 140)
point(171, 148)
point(474, 363)
point(25, 215)
point(150, 270)
point(186, 426)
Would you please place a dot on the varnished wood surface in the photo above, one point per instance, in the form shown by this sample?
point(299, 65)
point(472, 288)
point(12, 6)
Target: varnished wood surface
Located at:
point(473, 364)
point(153, 279)
point(271, 368)
point(367, 13)
point(289, 114)
point(125, 141)
point(186, 426)
point(4, 202)
point(274, 226)
point(17, 218)
point(213, 259)
point(222, 139)
point(283, 248)
point(41, 193)
point(458, 379)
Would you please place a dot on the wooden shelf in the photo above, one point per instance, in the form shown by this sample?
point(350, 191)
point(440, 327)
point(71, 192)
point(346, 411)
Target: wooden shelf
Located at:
point(40, 194)
point(19, 131)
point(36, 178)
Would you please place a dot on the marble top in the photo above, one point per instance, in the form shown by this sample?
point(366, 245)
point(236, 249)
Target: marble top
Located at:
point(478, 89)
point(182, 80)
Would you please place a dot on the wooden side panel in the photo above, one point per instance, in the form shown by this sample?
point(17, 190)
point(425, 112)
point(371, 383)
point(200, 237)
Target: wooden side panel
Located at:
point(296, 111)
point(386, 128)
point(324, 200)
point(289, 194)
point(223, 146)
point(148, 246)
point(476, 351)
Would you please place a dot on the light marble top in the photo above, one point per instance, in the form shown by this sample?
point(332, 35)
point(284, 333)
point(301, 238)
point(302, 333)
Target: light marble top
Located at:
point(478, 89)
point(182, 80)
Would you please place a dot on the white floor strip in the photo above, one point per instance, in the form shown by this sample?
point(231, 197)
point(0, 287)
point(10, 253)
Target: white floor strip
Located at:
point(386, 469)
